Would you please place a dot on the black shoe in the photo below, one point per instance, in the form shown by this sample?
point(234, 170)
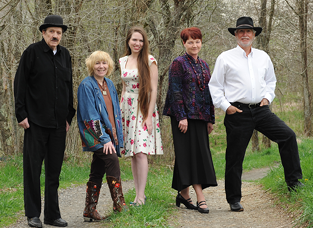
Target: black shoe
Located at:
point(202, 210)
point(34, 222)
point(236, 207)
point(294, 185)
point(58, 222)
point(180, 199)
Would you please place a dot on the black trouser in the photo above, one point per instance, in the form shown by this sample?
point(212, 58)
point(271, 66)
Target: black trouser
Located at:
point(239, 129)
point(104, 163)
point(40, 144)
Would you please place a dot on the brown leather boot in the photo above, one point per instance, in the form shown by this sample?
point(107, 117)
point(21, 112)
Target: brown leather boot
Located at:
point(92, 196)
point(115, 187)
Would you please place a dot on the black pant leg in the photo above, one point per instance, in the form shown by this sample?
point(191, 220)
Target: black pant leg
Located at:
point(53, 164)
point(35, 141)
point(276, 130)
point(239, 128)
point(104, 163)
point(97, 170)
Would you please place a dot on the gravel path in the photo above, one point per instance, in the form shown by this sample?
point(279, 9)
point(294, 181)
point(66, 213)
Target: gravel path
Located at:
point(260, 212)
point(72, 203)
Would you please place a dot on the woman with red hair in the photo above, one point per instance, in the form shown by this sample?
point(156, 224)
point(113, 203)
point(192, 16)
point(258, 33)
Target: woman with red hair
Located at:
point(190, 106)
point(140, 117)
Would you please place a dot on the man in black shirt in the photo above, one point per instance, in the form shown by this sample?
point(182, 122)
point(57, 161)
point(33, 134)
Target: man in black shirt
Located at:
point(44, 108)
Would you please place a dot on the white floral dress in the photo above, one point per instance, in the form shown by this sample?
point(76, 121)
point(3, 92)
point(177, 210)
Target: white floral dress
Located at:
point(136, 137)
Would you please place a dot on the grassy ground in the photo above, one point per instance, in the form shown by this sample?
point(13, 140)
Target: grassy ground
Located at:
point(299, 203)
point(161, 197)
point(11, 184)
point(159, 204)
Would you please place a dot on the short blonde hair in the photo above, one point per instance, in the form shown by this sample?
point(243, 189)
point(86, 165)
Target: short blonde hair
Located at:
point(99, 56)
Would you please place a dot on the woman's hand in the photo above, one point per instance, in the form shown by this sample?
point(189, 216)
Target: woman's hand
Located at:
point(183, 125)
point(108, 147)
point(148, 124)
point(210, 128)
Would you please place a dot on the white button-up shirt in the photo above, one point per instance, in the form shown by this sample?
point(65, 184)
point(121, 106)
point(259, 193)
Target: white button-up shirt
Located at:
point(240, 78)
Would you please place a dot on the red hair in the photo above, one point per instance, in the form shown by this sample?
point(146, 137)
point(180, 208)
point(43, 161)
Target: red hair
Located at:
point(192, 32)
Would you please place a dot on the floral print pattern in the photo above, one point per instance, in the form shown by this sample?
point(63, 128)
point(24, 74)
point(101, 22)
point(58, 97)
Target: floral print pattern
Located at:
point(136, 137)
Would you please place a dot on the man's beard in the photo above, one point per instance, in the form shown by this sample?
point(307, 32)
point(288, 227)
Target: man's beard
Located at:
point(242, 44)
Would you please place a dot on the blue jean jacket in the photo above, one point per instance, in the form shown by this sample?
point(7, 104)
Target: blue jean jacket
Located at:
point(92, 116)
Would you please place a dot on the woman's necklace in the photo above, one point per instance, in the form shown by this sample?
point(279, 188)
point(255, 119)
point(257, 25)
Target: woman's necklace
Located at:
point(201, 84)
point(104, 92)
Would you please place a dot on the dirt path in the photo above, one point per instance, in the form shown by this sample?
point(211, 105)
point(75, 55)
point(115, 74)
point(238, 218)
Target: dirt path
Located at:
point(260, 212)
point(72, 201)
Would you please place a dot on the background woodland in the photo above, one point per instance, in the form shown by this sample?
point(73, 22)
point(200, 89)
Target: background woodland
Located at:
point(102, 25)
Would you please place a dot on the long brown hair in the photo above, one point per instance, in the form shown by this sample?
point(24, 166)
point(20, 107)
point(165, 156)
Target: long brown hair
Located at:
point(143, 69)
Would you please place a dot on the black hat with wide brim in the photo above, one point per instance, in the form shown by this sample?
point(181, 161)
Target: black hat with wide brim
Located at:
point(245, 23)
point(53, 21)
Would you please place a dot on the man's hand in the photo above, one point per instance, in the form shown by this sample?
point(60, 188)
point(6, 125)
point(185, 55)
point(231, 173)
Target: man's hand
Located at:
point(24, 124)
point(67, 126)
point(232, 109)
point(264, 102)
point(108, 148)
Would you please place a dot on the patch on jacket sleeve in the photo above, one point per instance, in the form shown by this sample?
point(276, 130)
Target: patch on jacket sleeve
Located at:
point(93, 132)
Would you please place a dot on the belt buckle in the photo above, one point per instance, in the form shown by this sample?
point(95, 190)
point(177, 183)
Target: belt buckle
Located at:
point(249, 105)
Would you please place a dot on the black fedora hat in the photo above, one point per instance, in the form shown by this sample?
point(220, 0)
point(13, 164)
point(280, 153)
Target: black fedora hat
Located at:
point(53, 21)
point(245, 23)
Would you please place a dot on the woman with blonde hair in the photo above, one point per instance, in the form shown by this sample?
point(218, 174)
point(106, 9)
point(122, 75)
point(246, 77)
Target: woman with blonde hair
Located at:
point(140, 117)
point(100, 126)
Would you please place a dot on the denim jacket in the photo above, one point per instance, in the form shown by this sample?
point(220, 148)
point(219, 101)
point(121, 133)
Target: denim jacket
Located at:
point(92, 116)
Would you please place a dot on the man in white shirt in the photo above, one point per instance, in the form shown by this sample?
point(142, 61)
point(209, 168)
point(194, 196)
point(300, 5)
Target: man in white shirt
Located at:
point(243, 84)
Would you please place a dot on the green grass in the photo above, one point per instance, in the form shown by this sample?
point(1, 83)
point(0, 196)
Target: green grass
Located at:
point(160, 204)
point(11, 184)
point(154, 213)
point(300, 202)
point(11, 190)
point(161, 198)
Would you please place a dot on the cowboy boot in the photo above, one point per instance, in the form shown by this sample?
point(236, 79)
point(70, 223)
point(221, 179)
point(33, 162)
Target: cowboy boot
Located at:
point(115, 187)
point(92, 196)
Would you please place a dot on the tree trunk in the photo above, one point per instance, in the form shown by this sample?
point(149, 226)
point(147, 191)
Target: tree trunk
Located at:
point(303, 11)
point(263, 43)
point(255, 141)
point(173, 16)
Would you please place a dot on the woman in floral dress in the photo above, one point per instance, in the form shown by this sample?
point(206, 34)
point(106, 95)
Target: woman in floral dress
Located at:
point(140, 117)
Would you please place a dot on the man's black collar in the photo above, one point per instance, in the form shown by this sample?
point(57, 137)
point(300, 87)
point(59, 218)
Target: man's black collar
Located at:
point(46, 48)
